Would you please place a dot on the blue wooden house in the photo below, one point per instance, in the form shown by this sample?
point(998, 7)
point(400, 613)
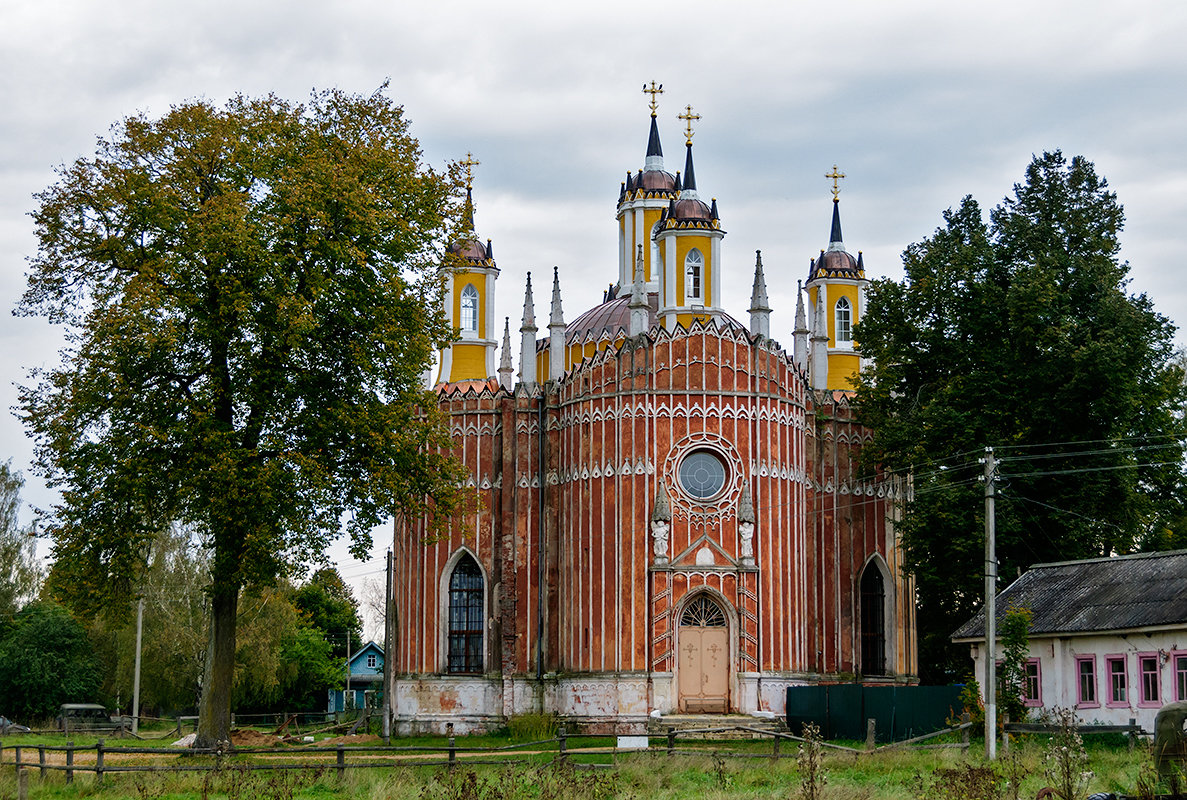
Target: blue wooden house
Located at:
point(366, 681)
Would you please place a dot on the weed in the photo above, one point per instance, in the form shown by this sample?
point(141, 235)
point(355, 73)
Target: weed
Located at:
point(811, 764)
point(1065, 760)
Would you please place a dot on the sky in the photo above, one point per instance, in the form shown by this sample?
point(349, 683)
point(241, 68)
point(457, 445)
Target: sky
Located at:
point(918, 103)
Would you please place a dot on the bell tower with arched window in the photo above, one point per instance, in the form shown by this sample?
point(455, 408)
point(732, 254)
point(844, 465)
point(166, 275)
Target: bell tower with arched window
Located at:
point(839, 280)
point(470, 272)
point(688, 245)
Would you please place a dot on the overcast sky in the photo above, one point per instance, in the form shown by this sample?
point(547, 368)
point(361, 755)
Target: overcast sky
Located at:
point(918, 103)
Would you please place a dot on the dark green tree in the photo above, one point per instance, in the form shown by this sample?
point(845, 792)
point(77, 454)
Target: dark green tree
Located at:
point(250, 297)
point(47, 660)
point(1020, 334)
point(327, 604)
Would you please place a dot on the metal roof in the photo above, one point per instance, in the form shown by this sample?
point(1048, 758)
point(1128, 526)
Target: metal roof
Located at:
point(1096, 595)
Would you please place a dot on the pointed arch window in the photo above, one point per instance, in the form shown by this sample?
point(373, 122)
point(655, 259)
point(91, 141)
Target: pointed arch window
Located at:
point(466, 615)
point(694, 269)
point(469, 309)
point(873, 621)
point(844, 326)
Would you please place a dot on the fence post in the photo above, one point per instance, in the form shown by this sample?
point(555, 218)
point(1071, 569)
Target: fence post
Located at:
point(69, 763)
point(563, 755)
point(1133, 727)
point(1005, 733)
point(870, 725)
point(341, 762)
point(965, 719)
point(775, 746)
point(41, 760)
point(22, 786)
point(17, 763)
point(99, 762)
point(452, 753)
point(671, 741)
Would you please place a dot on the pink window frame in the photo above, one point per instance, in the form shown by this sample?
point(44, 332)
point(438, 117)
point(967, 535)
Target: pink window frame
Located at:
point(1143, 702)
point(1109, 660)
point(1028, 701)
point(1080, 701)
point(1178, 687)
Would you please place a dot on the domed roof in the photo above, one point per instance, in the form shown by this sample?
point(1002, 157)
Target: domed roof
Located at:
point(470, 249)
point(614, 317)
point(653, 180)
point(690, 209)
point(835, 264)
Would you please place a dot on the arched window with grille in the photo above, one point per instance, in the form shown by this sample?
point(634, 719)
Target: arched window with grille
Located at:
point(694, 269)
point(844, 327)
point(466, 615)
point(873, 621)
point(469, 309)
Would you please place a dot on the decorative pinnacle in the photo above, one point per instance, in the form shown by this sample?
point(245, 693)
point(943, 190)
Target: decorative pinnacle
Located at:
point(835, 175)
point(469, 164)
point(688, 118)
point(653, 90)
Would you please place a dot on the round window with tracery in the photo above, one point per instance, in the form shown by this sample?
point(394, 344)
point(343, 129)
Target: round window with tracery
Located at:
point(702, 474)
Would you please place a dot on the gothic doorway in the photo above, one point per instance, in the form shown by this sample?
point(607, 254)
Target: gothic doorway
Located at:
point(704, 657)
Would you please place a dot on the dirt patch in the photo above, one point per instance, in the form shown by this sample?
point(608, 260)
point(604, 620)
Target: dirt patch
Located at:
point(349, 740)
point(245, 737)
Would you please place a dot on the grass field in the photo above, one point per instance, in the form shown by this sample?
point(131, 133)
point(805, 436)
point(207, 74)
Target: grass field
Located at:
point(723, 771)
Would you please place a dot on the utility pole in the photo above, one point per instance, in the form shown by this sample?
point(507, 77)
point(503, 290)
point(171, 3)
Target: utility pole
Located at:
point(387, 653)
point(136, 671)
point(990, 609)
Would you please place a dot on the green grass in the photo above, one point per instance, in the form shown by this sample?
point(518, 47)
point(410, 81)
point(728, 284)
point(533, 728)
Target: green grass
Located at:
point(885, 775)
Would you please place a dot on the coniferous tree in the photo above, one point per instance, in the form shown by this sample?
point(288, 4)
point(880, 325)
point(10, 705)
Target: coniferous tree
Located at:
point(1021, 335)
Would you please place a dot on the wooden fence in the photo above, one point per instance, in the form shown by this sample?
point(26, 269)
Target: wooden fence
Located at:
point(78, 758)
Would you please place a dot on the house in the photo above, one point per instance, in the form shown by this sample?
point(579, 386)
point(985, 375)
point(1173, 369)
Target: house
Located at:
point(671, 517)
point(1108, 636)
point(366, 681)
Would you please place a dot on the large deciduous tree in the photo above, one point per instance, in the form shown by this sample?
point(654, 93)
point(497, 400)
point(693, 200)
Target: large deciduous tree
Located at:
point(19, 570)
point(249, 298)
point(1020, 334)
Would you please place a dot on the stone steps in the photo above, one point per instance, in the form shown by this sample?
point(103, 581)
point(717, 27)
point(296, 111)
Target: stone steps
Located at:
point(716, 726)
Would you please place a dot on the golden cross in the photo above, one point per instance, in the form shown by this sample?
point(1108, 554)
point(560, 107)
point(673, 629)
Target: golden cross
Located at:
point(835, 175)
point(469, 164)
point(653, 90)
point(688, 117)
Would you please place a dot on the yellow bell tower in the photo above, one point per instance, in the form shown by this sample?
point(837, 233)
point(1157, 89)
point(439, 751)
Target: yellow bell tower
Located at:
point(469, 273)
point(688, 245)
point(836, 290)
point(642, 199)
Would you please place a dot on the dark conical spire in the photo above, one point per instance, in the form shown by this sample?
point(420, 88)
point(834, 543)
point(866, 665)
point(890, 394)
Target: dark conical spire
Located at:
point(653, 145)
point(834, 239)
point(690, 180)
point(468, 211)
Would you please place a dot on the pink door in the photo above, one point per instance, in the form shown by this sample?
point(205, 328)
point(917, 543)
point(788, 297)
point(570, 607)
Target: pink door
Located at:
point(704, 658)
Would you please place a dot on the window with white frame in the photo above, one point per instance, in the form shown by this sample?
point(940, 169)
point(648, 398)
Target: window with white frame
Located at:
point(1118, 681)
point(469, 309)
point(370, 660)
point(1086, 683)
point(844, 326)
point(1148, 669)
point(694, 268)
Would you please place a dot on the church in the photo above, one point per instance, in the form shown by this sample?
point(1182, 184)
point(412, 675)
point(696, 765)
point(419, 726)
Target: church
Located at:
point(670, 515)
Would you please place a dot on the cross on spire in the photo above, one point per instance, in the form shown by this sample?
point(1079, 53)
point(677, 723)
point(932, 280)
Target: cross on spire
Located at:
point(653, 90)
point(688, 118)
point(836, 176)
point(469, 164)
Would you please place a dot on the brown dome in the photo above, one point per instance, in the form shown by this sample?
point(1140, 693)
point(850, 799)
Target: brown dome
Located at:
point(691, 209)
point(656, 180)
point(469, 248)
point(835, 263)
point(614, 317)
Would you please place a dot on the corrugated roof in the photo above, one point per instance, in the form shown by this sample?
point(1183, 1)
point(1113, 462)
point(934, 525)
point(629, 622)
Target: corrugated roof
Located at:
point(1099, 594)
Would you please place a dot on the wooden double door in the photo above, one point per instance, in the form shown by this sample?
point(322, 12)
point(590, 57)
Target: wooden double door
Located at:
point(704, 657)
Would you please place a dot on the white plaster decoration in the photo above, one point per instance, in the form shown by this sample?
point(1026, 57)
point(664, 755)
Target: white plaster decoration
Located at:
point(659, 532)
point(705, 557)
point(746, 531)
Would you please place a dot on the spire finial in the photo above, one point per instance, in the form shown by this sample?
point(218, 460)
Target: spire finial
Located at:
point(688, 118)
point(653, 90)
point(469, 164)
point(836, 176)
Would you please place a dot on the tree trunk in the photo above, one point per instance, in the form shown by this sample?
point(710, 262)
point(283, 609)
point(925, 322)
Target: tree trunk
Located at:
point(214, 709)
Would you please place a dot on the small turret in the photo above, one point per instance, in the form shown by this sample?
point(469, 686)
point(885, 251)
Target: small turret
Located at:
point(506, 370)
point(527, 345)
point(639, 305)
point(819, 345)
point(556, 331)
point(800, 334)
point(760, 306)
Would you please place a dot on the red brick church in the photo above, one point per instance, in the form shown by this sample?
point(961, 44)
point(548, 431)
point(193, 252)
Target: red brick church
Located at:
point(671, 517)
